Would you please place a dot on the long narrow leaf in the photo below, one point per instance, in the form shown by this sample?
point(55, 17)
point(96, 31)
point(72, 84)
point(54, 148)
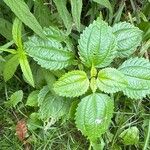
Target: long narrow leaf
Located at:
point(25, 67)
point(42, 13)
point(105, 3)
point(16, 32)
point(63, 12)
point(76, 8)
point(21, 10)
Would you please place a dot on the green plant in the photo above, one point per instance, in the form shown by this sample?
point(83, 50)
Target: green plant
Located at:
point(76, 79)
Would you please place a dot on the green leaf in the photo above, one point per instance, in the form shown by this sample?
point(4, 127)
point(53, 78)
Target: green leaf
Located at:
point(42, 94)
point(137, 72)
point(145, 26)
point(5, 29)
point(2, 59)
point(42, 13)
point(72, 84)
point(105, 3)
point(94, 115)
point(53, 107)
point(76, 8)
point(3, 49)
point(32, 99)
point(15, 99)
point(50, 79)
point(34, 122)
point(130, 136)
point(64, 13)
point(25, 67)
point(10, 67)
point(111, 80)
point(128, 38)
point(16, 32)
point(21, 10)
point(49, 53)
point(38, 76)
point(97, 45)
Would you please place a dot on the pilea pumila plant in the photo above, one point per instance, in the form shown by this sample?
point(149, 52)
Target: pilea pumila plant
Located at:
point(81, 79)
point(89, 74)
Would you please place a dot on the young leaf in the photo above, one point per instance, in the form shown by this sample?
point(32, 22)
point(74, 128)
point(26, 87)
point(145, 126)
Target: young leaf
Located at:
point(49, 53)
point(16, 32)
point(130, 136)
point(72, 84)
point(25, 67)
point(10, 67)
point(63, 12)
point(137, 72)
point(15, 99)
point(76, 8)
point(32, 99)
point(97, 45)
point(105, 3)
point(5, 29)
point(53, 107)
point(111, 80)
point(128, 38)
point(34, 122)
point(94, 115)
point(21, 10)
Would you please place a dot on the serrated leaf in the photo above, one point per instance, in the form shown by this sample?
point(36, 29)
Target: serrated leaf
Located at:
point(105, 3)
point(97, 45)
point(72, 84)
point(130, 136)
point(32, 99)
point(64, 13)
point(137, 72)
point(21, 10)
point(53, 107)
point(128, 38)
point(111, 80)
point(76, 8)
point(49, 53)
point(15, 99)
point(10, 67)
point(94, 115)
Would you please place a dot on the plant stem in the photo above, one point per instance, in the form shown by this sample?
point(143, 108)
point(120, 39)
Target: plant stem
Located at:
point(147, 138)
point(90, 146)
